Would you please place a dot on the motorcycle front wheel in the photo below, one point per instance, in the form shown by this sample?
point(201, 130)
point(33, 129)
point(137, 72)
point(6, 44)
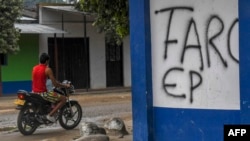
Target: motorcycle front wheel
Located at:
point(26, 120)
point(70, 115)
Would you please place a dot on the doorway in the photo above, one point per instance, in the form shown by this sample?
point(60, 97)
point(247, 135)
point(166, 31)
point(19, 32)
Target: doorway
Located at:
point(114, 65)
point(70, 60)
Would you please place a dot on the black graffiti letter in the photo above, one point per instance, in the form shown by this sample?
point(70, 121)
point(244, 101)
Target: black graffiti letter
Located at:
point(192, 22)
point(167, 85)
point(171, 9)
point(210, 41)
point(228, 41)
point(194, 86)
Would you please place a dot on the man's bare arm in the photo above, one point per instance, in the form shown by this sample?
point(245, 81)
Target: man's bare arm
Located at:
point(50, 74)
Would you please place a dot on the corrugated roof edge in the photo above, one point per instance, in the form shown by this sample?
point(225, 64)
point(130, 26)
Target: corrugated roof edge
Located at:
point(37, 29)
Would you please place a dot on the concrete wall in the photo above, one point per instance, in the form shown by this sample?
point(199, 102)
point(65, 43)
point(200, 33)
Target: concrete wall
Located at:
point(204, 60)
point(126, 63)
point(17, 73)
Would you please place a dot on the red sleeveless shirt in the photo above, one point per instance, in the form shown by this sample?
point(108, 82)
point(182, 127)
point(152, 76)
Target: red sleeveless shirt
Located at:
point(39, 78)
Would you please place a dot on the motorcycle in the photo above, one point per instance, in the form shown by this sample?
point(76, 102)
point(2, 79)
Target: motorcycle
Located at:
point(33, 108)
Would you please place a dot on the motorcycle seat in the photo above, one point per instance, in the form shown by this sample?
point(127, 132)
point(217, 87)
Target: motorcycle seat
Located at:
point(38, 97)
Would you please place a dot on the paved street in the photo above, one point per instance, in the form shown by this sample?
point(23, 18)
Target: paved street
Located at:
point(97, 107)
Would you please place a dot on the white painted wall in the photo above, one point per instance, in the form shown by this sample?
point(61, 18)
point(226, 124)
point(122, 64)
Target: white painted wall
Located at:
point(96, 48)
point(126, 62)
point(219, 88)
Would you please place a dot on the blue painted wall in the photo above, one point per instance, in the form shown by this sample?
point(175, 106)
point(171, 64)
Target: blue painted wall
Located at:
point(192, 124)
point(244, 36)
point(174, 124)
point(141, 71)
point(10, 88)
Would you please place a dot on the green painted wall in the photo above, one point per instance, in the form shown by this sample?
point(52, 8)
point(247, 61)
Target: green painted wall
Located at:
point(19, 65)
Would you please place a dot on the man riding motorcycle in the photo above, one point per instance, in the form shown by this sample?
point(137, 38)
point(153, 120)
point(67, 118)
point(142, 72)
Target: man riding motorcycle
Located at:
point(40, 74)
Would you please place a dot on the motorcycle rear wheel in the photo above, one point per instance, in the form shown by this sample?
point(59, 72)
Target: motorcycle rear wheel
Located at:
point(70, 117)
point(26, 120)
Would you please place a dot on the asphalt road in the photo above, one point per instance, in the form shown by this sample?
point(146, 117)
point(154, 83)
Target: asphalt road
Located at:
point(97, 108)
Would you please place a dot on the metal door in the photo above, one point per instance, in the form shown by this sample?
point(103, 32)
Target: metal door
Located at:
point(70, 60)
point(114, 69)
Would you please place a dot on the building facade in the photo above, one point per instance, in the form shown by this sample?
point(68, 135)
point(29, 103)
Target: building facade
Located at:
point(79, 53)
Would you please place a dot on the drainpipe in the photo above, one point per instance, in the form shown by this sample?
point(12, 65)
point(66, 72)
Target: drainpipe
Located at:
point(87, 51)
point(56, 56)
point(64, 75)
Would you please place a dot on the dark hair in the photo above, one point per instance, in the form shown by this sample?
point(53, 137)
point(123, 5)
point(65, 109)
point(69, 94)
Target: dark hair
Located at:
point(43, 58)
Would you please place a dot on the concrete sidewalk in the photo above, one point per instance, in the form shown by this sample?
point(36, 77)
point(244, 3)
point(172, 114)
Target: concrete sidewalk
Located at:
point(90, 91)
point(7, 101)
point(104, 90)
